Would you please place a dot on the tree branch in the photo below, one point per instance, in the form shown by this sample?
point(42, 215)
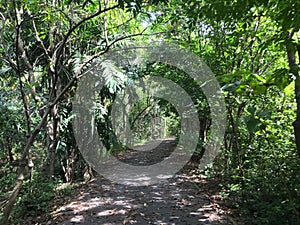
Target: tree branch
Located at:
point(72, 29)
point(38, 37)
point(23, 96)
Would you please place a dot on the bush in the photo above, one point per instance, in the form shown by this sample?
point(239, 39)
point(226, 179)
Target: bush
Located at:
point(35, 198)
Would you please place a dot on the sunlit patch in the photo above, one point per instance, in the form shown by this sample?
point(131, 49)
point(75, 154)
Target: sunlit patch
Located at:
point(77, 219)
point(112, 212)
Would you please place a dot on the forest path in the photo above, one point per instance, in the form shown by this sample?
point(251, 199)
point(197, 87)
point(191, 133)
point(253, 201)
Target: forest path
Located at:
point(182, 199)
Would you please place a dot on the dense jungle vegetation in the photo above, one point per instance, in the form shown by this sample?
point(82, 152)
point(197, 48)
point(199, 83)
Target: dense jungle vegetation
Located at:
point(252, 47)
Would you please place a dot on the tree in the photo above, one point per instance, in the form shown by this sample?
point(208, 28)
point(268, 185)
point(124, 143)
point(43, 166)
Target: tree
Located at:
point(285, 15)
point(249, 45)
point(46, 46)
point(240, 30)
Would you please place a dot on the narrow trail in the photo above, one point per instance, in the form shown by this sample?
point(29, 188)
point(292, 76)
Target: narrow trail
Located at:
point(178, 200)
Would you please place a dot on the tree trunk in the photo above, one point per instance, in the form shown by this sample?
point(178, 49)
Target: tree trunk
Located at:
point(291, 54)
point(52, 125)
point(52, 140)
point(296, 123)
point(13, 197)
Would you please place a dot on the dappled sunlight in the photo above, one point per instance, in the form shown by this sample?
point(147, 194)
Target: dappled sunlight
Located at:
point(111, 212)
point(77, 219)
point(173, 200)
point(81, 205)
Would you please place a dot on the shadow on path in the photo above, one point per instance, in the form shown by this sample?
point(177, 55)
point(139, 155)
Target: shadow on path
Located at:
point(177, 200)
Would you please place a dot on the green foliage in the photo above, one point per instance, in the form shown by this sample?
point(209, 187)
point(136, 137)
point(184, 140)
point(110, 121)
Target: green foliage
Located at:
point(36, 197)
point(6, 180)
point(12, 122)
point(43, 46)
point(162, 110)
point(245, 43)
point(173, 122)
point(264, 175)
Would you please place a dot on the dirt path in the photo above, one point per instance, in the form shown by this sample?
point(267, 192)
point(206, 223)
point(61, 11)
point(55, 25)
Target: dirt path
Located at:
point(177, 200)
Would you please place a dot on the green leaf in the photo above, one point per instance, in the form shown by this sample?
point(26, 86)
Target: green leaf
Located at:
point(252, 124)
point(251, 110)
